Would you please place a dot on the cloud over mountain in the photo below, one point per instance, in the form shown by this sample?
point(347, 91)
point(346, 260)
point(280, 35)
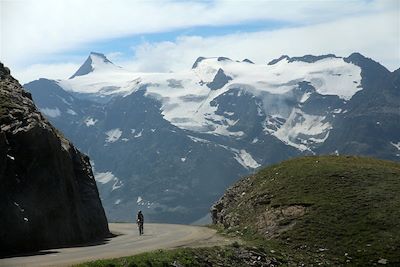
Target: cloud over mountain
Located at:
point(169, 36)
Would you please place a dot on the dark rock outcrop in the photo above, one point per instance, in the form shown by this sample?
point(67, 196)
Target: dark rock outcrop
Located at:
point(220, 210)
point(306, 58)
point(219, 81)
point(276, 60)
point(311, 58)
point(248, 61)
point(197, 62)
point(223, 59)
point(48, 195)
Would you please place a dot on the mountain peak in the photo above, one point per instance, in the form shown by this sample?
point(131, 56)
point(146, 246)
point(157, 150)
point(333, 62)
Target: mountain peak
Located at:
point(95, 61)
point(276, 60)
point(223, 59)
point(370, 67)
point(100, 56)
point(359, 59)
point(218, 59)
point(305, 58)
point(198, 60)
point(247, 61)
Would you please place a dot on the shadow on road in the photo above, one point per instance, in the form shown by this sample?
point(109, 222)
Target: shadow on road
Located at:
point(52, 250)
point(34, 253)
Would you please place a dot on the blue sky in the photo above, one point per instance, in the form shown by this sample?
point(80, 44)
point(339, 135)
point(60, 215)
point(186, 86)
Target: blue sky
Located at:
point(47, 38)
point(125, 45)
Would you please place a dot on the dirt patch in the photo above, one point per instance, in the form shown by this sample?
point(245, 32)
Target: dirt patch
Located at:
point(274, 221)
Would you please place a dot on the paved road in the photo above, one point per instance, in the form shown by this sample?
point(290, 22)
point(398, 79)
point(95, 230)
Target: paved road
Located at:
point(128, 242)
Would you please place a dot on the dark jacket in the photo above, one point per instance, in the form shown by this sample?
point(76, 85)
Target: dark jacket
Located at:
point(140, 218)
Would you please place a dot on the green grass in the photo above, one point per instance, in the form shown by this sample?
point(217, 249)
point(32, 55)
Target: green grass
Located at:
point(156, 258)
point(233, 255)
point(352, 208)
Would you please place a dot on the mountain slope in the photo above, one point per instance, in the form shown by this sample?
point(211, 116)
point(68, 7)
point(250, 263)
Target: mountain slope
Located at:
point(171, 142)
point(327, 209)
point(372, 122)
point(48, 195)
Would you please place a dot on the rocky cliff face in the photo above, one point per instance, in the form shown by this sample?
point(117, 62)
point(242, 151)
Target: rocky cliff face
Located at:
point(48, 195)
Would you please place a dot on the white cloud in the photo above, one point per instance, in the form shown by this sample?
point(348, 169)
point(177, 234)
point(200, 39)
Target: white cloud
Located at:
point(32, 30)
point(375, 36)
point(49, 71)
point(115, 56)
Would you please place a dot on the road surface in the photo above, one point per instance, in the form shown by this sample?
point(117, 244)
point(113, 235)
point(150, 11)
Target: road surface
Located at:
point(126, 243)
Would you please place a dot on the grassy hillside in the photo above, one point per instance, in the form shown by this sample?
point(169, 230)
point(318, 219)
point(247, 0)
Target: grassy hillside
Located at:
point(325, 209)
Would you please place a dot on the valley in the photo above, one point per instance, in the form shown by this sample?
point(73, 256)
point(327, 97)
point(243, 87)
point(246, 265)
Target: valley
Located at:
point(171, 143)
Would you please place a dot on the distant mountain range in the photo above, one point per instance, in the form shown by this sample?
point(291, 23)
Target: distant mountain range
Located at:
point(171, 143)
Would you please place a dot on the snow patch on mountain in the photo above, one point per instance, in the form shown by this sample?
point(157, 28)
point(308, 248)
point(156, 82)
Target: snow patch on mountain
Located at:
point(113, 135)
point(90, 121)
point(305, 97)
point(51, 112)
point(107, 177)
point(300, 129)
point(222, 130)
point(139, 134)
point(396, 145)
point(199, 140)
point(65, 101)
point(72, 112)
point(117, 184)
point(104, 177)
point(246, 160)
point(272, 124)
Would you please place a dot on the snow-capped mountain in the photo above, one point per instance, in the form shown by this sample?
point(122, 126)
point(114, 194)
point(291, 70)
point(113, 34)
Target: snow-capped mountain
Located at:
point(94, 64)
point(172, 142)
point(186, 97)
